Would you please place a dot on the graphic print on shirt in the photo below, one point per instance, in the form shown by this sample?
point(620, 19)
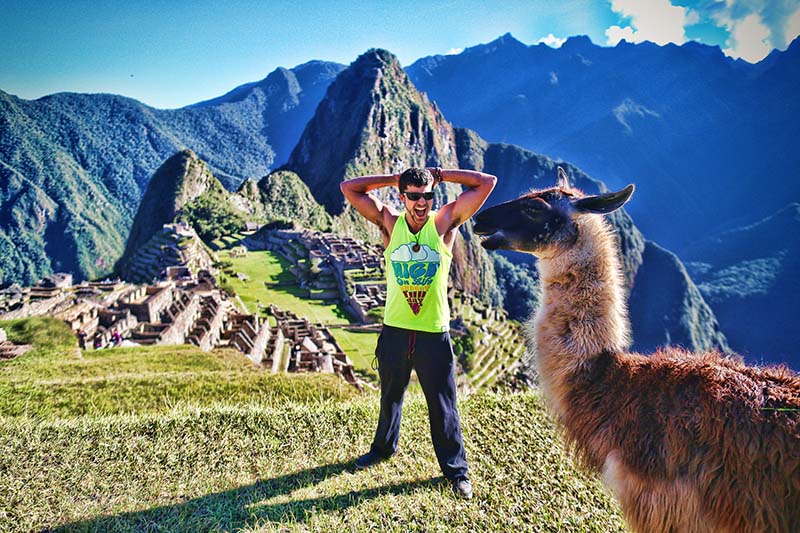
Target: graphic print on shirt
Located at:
point(414, 272)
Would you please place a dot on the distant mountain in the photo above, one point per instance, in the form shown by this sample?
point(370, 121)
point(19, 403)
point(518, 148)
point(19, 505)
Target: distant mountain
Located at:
point(665, 305)
point(374, 121)
point(73, 167)
point(284, 101)
point(750, 276)
point(698, 132)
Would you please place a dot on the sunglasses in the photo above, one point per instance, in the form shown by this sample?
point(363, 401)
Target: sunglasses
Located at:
point(415, 196)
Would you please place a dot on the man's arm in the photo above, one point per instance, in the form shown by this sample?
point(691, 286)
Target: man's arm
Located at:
point(356, 192)
point(468, 202)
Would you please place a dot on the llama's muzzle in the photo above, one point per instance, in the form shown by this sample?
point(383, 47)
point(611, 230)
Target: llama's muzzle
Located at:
point(486, 227)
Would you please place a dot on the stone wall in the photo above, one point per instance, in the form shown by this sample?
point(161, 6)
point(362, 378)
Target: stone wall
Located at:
point(182, 321)
point(157, 299)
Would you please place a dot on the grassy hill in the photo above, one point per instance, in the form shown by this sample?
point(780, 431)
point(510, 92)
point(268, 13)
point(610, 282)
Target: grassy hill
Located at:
point(256, 452)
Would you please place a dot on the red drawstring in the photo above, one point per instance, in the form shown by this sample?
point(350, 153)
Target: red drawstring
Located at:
point(412, 343)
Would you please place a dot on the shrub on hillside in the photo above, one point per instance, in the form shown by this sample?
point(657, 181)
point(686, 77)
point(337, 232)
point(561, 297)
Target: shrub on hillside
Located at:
point(464, 348)
point(212, 218)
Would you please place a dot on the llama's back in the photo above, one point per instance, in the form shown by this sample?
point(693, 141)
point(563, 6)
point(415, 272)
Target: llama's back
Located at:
point(729, 432)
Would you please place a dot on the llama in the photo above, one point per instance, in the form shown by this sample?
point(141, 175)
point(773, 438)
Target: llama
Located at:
point(685, 442)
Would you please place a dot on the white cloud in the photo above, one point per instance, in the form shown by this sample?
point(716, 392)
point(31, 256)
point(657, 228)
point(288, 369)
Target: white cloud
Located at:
point(406, 253)
point(454, 51)
point(793, 26)
point(553, 78)
point(552, 41)
point(615, 34)
point(651, 20)
point(755, 27)
point(749, 39)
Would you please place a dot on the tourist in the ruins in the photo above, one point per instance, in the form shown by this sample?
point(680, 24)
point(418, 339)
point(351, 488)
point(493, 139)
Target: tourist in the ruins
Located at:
point(418, 250)
point(82, 339)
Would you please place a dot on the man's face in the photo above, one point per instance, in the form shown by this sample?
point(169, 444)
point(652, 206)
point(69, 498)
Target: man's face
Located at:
point(420, 208)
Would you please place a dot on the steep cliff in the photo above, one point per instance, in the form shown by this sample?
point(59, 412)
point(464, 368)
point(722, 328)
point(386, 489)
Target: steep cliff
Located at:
point(374, 121)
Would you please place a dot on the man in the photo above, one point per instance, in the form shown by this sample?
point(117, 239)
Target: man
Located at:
point(419, 243)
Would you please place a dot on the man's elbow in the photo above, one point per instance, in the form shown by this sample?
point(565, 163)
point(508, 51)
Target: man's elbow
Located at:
point(491, 181)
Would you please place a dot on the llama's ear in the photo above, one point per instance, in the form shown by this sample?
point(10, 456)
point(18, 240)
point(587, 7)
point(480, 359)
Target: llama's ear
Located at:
point(604, 203)
point(562, 181)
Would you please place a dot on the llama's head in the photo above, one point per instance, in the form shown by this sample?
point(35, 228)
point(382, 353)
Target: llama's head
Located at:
point(543, 222)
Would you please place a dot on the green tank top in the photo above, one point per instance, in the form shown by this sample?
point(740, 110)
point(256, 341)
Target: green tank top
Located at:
point(417, 268)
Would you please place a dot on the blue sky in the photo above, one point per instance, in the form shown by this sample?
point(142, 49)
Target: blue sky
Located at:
point(173, 53)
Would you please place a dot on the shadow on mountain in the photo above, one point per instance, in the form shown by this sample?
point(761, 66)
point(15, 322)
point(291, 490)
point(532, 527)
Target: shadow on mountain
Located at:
point(237, 508)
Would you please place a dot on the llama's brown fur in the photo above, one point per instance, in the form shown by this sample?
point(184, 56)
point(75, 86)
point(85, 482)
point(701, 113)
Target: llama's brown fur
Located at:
point(686, 442)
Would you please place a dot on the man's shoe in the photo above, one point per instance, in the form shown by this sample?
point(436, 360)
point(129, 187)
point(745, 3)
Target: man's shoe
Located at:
point(462, 487)
point(370, 459)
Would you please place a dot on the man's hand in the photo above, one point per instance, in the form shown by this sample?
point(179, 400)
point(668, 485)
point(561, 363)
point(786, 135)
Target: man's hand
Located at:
point(436, 172)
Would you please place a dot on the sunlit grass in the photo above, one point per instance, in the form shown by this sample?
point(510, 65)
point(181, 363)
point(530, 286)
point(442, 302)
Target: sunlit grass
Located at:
point(269, 267)
point(58, 379)
point(175, 439)
point(288, 467)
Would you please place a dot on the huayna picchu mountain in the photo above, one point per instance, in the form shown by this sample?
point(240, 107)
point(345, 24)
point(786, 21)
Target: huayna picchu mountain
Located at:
point(74, 167)
point(374, 121)
point(371, 121)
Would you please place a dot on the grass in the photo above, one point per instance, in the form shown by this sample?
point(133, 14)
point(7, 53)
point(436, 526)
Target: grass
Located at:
point(56, 379)
point(289, 468)
point(269, 267)
point(360, 348)
point(228, 458)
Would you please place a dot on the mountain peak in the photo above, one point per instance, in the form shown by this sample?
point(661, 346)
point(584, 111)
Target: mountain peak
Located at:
point(506, 39)
point(578, 43)
point(504, 43)
point(179, 180)
point(371, 121)
point(378, 55)
point(377, 62)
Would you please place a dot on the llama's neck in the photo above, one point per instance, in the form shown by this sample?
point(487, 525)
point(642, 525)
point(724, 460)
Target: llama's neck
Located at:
point(582, 312)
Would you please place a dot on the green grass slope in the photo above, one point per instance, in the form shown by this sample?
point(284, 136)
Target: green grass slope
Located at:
point(289, 467)
point(56, 379)
point(278, 460)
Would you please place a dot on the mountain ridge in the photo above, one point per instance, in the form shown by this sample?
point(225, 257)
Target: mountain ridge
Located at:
point(86, 161)
point(679, 119)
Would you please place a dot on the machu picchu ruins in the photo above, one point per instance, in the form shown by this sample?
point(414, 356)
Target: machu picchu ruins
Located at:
point(177, 300)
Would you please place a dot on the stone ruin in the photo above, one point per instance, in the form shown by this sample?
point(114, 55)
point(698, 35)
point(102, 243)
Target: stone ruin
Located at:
point(188, 312)
point(9, 350)
point(311, 347)
point(173, 253)
point(337, 260)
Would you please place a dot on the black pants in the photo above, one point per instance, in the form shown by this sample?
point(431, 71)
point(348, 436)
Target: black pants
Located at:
point(431, 355)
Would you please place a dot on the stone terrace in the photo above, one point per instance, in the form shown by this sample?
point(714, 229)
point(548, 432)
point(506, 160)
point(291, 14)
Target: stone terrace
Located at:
point(311, 347)
point(353, 267)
